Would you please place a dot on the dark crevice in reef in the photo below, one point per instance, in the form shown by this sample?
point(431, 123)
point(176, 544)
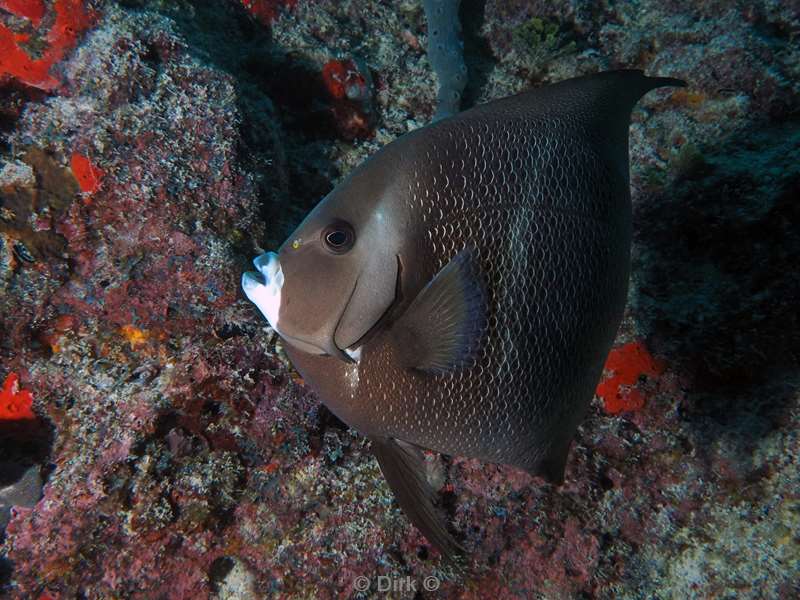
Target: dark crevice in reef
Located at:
point(6, 571)
point(718, 282)
point(13, 97)
point(273, 88)
point(219, 571)
point(25, 450)
point(308, 121)
point(22, 445)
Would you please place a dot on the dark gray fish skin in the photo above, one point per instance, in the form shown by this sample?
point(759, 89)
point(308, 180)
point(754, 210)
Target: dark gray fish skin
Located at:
point(532, 193)
point(538, 185)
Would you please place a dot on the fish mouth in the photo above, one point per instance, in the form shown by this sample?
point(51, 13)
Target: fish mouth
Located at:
point(263, 287)
point(253, 278)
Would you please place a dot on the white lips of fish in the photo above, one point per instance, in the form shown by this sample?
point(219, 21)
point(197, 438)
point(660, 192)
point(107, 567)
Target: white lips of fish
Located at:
point(264, 288)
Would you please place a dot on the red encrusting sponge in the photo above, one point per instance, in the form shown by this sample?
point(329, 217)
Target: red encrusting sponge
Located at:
point(87, 175)
point(15, 403)
point(33, 10)
point(71, 19)
point(266, 10)
point(626, 365)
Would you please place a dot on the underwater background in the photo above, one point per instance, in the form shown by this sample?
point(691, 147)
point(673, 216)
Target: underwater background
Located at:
point(155, 442)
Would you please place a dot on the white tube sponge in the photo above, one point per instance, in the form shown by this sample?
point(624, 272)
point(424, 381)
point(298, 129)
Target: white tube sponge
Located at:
point(446, 54)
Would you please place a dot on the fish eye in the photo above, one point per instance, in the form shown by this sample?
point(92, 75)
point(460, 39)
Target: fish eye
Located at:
point(338, 237)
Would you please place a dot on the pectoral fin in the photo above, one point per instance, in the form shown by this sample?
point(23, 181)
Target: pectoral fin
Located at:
point(442, 327)
point(403, 466)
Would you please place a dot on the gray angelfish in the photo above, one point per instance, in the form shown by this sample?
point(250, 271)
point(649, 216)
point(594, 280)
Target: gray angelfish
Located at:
point(459, 291)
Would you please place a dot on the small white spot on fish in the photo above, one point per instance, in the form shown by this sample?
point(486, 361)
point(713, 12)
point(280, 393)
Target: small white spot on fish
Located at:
point(352, 378)
point(354, 354)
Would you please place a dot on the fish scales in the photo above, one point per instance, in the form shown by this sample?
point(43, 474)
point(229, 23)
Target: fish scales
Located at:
point(459, 291)
point(555, 260)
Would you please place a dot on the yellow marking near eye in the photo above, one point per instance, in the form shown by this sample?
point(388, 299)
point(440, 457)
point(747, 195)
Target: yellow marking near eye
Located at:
point(296, 244)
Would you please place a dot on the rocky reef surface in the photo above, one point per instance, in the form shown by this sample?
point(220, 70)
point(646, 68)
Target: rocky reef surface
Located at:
point(154, 442)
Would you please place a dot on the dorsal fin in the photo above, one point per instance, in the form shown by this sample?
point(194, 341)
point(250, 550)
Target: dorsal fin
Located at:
point(596, 106)
point(605, 94)
point(603, 102)
point(614, 91)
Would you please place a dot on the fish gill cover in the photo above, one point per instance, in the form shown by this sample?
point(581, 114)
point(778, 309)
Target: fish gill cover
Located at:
point(151, 148)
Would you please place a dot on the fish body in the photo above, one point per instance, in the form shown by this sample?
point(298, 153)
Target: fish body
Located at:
point(483, 277)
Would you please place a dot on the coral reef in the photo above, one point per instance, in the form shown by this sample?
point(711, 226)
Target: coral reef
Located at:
point(152, 145)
